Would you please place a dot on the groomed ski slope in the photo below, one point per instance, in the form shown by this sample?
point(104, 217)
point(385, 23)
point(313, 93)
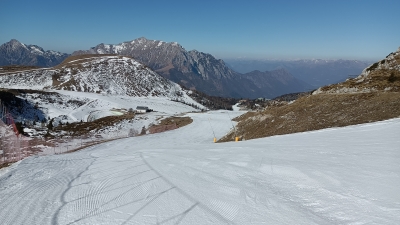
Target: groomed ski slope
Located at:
point(335, 176)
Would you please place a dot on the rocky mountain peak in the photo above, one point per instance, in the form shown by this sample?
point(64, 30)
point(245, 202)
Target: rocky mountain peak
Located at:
point(169, 59)
point(15, 43)
point(192, 69)
point(17, 53)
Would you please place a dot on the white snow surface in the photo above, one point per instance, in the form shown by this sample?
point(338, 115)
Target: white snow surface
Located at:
point(345, 175)
point(61, 108)
point(105, 103)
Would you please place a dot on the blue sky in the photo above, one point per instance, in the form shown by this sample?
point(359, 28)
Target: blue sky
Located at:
point(262, 29)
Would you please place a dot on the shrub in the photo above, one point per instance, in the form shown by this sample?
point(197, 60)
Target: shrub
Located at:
point(392, 78)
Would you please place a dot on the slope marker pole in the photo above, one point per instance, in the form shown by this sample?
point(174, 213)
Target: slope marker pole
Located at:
point(234, 129)
point(215, 139)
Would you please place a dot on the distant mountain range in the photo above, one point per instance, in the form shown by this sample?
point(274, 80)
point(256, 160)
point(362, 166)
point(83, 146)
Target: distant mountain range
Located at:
point(276, 79)
point(201, 71)
point(192, 69)
point(317, 72)
point(14, 52)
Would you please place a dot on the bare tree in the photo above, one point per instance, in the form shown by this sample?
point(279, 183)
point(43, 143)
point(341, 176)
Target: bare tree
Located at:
point(143, 132)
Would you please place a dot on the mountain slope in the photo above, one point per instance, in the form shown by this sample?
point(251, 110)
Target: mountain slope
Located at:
point(193, 69)
point(372, 96)
point(17, 53)
point(163, 57)
point(107, 74)
point(85, 88)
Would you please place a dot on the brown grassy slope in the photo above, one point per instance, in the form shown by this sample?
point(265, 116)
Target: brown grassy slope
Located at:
point(179, 121)
point(82, 58)
point(170, 123)
point(318, 112)
point(16, 68)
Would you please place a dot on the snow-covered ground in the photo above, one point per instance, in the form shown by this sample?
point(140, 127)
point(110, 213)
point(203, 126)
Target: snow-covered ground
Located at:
point(70, 106)
point(335, 176)
point(106, 103)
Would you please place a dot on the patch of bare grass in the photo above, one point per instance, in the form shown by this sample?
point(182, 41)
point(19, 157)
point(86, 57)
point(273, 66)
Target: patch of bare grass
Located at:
point(84, 128)
point(16, 68)
point(179, 121)
point(170, 123)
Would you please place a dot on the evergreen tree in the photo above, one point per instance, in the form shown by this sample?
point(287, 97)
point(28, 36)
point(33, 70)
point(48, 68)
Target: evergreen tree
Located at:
point(50, 125)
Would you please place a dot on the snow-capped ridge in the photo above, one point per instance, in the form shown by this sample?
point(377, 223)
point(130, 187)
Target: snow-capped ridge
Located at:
point(17, 53)
point(123, 47)
point(106, 74)
point(15, 44)
point(193, 69)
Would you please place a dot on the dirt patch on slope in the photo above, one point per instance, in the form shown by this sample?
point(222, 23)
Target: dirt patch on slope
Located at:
point(3, 165)
point(179, 121)
point(170, 123)
point(84, 128)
